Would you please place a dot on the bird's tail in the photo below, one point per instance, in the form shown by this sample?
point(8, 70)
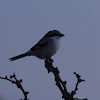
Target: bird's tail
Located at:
point(18, 57)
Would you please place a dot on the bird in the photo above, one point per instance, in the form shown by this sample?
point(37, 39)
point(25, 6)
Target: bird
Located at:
point(45, 48)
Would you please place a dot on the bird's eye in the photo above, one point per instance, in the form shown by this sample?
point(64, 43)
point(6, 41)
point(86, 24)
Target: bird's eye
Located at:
point(51, 36)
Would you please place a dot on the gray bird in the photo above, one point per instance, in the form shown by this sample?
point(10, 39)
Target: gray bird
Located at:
point(45, 48)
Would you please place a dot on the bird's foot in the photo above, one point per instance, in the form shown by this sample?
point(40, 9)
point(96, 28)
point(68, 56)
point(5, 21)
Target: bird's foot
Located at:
point(49, 59)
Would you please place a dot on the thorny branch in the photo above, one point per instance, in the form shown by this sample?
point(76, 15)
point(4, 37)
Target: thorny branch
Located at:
point(17, 82)
point(62, 84)
point(79, 80)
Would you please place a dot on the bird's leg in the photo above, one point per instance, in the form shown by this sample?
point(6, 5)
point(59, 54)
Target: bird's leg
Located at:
point(48, 64)
point(49, 59)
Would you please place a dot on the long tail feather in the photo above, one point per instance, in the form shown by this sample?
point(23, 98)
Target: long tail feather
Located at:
point(18, 57)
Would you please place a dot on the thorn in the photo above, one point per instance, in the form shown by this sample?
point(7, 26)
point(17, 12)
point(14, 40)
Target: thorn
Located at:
point(14, 75)
point(21, 80)
point(65, 82)
point(11, 76)
point(26, 93)
point(5, 77)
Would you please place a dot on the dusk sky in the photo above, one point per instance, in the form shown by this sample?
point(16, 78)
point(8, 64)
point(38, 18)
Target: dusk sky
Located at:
point(24, 22)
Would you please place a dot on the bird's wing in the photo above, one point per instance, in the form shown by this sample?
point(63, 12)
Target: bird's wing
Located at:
point(40, 44)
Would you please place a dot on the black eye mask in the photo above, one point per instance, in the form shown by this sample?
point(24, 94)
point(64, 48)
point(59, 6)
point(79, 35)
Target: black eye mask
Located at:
point(55, 34)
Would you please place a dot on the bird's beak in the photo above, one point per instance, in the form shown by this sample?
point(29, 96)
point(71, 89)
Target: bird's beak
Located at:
point(61, 35)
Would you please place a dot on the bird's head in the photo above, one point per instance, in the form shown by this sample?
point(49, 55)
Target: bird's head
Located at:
point(54, 33)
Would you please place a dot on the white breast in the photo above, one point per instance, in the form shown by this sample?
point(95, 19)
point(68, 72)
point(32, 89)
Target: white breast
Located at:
point(55, 44)
point(48, 50)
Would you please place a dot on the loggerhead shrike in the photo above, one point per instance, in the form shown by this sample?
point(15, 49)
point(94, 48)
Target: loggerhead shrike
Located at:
point(45, 48)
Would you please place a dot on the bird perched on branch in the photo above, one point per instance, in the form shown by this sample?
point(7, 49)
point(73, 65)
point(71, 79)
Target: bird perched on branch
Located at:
point(45, 48)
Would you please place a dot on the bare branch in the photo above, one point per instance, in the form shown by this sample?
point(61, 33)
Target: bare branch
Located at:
point(17, 82)
point(62, 84)
point(79, 80)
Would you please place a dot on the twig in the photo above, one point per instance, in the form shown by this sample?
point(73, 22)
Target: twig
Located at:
point(17, 83)
point(79, 80)
point(62, 84)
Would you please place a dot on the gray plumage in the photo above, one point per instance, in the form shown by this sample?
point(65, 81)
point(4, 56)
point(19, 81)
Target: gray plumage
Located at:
point(45, 48)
